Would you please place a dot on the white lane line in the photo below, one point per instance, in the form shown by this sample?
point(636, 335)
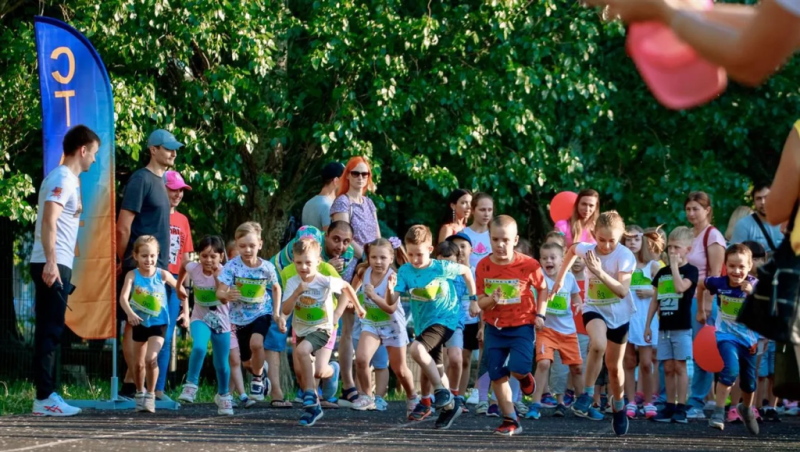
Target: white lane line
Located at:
point(358, 437)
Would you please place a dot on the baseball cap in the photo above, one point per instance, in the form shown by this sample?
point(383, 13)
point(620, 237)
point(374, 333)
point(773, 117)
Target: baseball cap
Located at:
point(332, 170)
point(459, 235)
point(175, 181)
point(163, 138)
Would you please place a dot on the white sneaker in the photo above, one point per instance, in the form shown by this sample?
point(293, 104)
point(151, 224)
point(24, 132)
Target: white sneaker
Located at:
point(139, 399)
point(363, 403)
point(411, 404)
point(482, 407)
point(150, 402)
point(189, 393)
point(257, 390)
point(473, 396)
point(224, 404)
point(54, 406)
point(521, 407)
point(695, 413)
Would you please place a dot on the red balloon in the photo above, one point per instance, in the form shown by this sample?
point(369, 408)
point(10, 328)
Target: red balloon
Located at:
point(706, 353)
point(562, 205)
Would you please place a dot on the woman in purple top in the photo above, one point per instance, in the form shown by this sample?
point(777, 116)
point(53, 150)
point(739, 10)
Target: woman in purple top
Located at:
point(580, 227)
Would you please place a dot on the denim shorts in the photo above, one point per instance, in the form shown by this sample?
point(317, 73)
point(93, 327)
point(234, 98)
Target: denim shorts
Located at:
point(675, 344)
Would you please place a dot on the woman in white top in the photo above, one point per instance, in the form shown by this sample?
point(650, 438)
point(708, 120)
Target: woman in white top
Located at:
point(478, 231)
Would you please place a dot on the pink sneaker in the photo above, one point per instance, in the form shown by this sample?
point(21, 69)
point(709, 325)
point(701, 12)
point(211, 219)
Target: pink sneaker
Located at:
point(630, 410)
point(650, 411)
point(733, 416)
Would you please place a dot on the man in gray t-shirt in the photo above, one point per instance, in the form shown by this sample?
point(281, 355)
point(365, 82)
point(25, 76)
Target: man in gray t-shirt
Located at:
point(317, 211)
point(748, 228)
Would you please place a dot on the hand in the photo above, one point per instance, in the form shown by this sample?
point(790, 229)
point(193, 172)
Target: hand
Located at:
point(302, 287)
point(391, 283)
point(281, 324)
point(539, 323)
point(747, 287)
point(183, 319)
point(674, 258)
point(578, 308)
point(134, 319)
point(474, 309)
point(182, 295)
point(369, 290)
point(50, 274)
point(360, 311)
point(701, 317)
point(337, 263)
point(233, 294)
point(480, 335)
point(648, 335)
point(554, 290)
point(593, 263)
point(644, 293)
point(497, 295)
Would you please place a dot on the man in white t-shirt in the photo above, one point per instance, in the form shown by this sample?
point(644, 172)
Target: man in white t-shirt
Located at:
point(51, 262)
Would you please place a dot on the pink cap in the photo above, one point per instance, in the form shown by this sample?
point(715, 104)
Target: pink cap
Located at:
point(675, 74)
point(176, 182)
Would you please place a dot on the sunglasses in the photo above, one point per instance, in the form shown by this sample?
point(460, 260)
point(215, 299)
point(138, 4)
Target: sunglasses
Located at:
point(359, 174)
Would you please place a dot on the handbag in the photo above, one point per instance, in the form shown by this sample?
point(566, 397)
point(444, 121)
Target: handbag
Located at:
point(787, 376)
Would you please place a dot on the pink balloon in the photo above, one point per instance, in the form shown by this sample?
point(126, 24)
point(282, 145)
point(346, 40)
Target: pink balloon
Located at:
point(562, 205)
point(706, 353)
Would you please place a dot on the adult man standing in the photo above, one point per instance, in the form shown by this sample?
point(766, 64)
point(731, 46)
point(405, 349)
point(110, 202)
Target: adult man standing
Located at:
point(317, 211)
point(51, 262)
point(756, 227)
point(145, 210)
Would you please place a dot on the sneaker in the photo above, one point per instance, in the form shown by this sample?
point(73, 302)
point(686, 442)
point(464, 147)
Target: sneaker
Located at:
point(311, 414)
point(363, 403)
point(246, 401)
point(630, 410)
point(442, 398)
point(472, 399)
point(331, 385)
point(257, 390)
point(224, 404)
point(771, 415)
point(638, 399)
point(150, 402)
point(650, 411)
point(446, 417)
point(733, 417)
point(482, 407)
point(749, 419)
point(410, 405)
point(680, 416)
point(717, 420)
point(420, 412)
point(299, 397)
point(381, 404)
point(757, 414)
point(665, 415)
point(582, 405)
point(348, 397)
point(188, 393)
point(55, 406)
point(561, 410)
point(619, 423)
point(792, 411)
point(548, 401)
point(695, 413)
point(710, 405)
point(528, 384)
point(569, 397)
point(509, 427)
point(310, 399)
point(139, 399)
point(534, 411)
point(521, 408)
point(494, 411)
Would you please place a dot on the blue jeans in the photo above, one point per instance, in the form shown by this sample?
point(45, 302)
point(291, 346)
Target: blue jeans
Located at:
point(174, 308)
point(738, 363)
point(220, 347)
point(701, 380)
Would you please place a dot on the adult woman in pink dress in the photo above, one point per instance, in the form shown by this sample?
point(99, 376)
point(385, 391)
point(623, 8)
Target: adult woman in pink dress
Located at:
point(579, 228)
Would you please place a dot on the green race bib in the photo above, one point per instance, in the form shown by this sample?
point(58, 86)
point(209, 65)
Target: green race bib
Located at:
point(639, 281)
point(375, 315)
point(666, 288)
point(206, 296)
point(509, 290)
point(600, 294)
point(309, 312)
point(559, 306)
point(427, 293)
point(253, 290)
point(143, 301)
point(729, 307)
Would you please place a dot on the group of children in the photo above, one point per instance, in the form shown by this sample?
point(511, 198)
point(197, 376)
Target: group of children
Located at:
point(578, 312)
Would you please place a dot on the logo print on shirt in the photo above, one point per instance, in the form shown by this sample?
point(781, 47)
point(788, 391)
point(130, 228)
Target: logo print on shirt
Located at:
point(480, 249)
point(56, 193)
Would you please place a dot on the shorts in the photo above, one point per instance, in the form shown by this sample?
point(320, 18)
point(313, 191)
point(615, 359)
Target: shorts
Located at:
point(317, 339)
point(244, 332)
point(675, 345)
point(456, 340)
point(380, 360)
point(433, 340)
point(583, 343)
point(514, 344)
point(618, 335)
point(471, 336)
point(143, 333)
point(549, 340)
point(330, 345)
point(767, 366)
point(275, 341)
point(393, 335)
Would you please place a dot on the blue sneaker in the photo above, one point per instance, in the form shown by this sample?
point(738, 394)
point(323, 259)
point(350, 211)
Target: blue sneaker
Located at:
point(569, 397)
point(534, 411)
point(548, 401)
point(331, 385)
point(311, 415)
point(442, 397)
point(620, 423)
point(310, 399)
point(494, 410)
point(593, 415)
point(582, 405)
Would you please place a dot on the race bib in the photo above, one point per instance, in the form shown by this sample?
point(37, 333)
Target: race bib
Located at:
point(559, 306)
point(145, 302)
point(600, 294)
point(428, 293)
point(309, 311)
point(668, 304)
point(729, 307)
point(206, 296)
point(509, 290)
point(375, 315)
point(639, 281)
point(666, 288)
point(253, 290)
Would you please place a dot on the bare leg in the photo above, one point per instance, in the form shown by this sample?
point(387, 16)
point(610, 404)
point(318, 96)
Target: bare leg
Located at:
point(237, 380)
point(273, 373)
point(615, 353)
point(367, 345)
point(397, 360)
point(154, 345)
point(629, 364)
point(346, 350)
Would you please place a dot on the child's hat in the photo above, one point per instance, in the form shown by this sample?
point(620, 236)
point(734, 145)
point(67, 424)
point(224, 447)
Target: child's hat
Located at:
point(461, 236)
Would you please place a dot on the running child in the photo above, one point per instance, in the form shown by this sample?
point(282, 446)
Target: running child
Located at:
point(554, 385)
point(506, 280)
point(607, 312)
point(736, 343)
point(559, 333)
point(144, 300)
point(252, 284)
point(436, 313)
point(673, 289)
point(309, 297)
point(384, 323)
point(210, 322)
point(647, 247)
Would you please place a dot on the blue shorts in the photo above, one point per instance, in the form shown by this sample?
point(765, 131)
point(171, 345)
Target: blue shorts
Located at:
point(738, 363)
point(380, 360)
point(275, 341)
point(767, 367)
point(514, 344)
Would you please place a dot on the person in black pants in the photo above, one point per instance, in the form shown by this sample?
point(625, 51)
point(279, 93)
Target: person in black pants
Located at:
point(51, 262)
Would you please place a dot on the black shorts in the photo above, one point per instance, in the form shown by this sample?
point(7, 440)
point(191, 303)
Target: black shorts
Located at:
point(471, 336)
point(243, 333)
point(143, 333)
point(618, 335)
point(433, 339)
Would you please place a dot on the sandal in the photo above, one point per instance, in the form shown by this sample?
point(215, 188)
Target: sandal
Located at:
point(280, 403)
point(332, 403)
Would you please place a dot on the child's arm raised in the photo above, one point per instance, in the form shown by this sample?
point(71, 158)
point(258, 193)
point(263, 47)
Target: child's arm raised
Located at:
point(348, 291)
point(619, 284)
point(651, 312)
point(681, 284)
point(385, 302)
point(569, 259)
point(288, 303)
point(124, 299)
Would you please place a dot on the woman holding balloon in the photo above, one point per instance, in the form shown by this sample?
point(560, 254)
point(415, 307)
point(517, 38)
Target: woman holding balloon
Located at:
point(579, 225)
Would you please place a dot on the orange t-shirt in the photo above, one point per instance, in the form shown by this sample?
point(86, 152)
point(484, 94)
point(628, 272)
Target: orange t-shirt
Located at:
point(577, 315)
point(516, 281)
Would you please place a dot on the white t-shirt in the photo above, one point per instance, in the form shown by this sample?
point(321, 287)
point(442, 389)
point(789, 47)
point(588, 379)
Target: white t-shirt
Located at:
point(599, 298)
point(792, 6)
point(481, 245)
point(697, 255)
point(559, 309)
point(63, 187)
point(313, 310)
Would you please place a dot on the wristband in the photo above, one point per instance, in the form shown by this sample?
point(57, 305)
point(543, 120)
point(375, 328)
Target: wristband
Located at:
point(541, 316)
point(473, 298)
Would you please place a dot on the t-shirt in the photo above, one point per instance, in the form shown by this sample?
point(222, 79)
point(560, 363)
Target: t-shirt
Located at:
point(559, 308)
point(146, 196)
point(577, 315)
point(730, 301)
point(565, 228)
point(255, 285)
point(675, 310)
point(63, 187)
point(148, 298)
point(516, 281)
point(180, 240)
point(285, 257)
point(429, 292)
point(313, 310)
point(599, 298)
point(792, 6)
point(697, 255)
point(205, 297)
point(362, 217)
point(747, 229)
point(376, 316)
point(481, 245)
point(317, 212)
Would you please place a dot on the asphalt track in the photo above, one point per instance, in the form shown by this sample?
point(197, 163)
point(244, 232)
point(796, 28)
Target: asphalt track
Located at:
point(197, 429)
